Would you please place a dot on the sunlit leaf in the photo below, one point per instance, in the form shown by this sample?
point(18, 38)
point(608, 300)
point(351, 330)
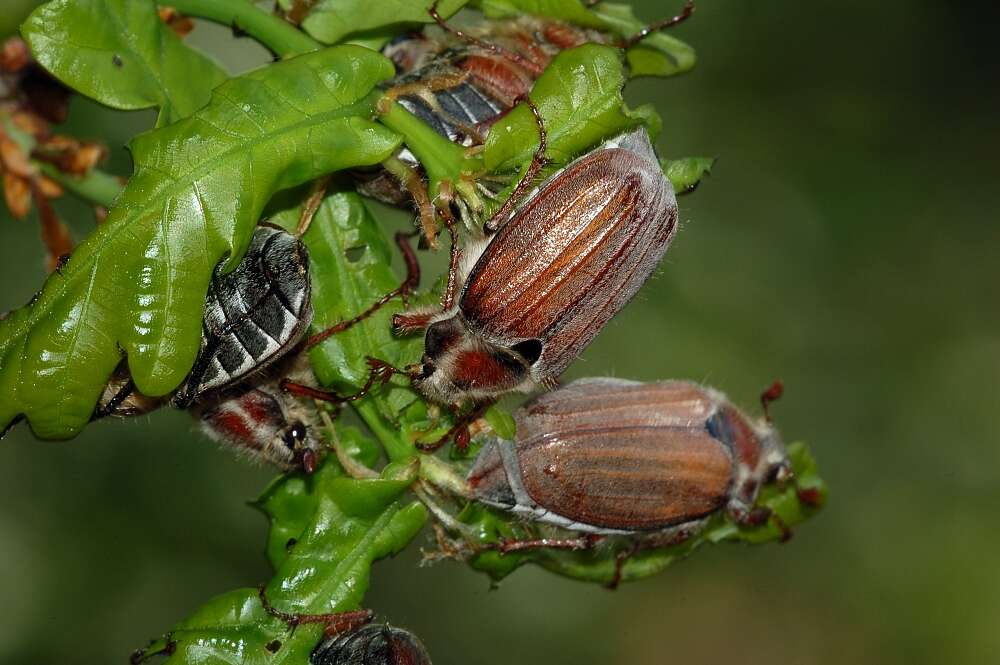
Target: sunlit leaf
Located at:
point(120, 53)
point(138, 283)
point(580, 99)
point(686, 173)
point(330, 21)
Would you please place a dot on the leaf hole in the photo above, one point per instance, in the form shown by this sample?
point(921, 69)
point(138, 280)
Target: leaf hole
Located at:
point(273, 646)
point(354, 254)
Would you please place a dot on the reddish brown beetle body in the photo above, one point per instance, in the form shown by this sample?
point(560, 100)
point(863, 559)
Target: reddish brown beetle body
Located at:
point(560, 267)
point(609, 456)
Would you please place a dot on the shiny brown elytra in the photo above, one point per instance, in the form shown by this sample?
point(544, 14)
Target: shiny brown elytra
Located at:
point(609, 456)
point(562, 264)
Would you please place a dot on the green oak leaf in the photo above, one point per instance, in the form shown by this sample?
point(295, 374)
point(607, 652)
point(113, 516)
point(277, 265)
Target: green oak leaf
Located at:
point(580, 99)
point(598, 565)
point(121, 54)
point(330, 21)
point(137, 285)
point(659, 54)
point(571, 11)
point(687, 173)
point(341, 526)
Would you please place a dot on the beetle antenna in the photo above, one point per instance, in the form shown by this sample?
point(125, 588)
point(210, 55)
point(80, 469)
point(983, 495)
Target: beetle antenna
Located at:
point(407, 287)
point(538, 162)
point(660, 25)
point(772, 394)
point(514, 57)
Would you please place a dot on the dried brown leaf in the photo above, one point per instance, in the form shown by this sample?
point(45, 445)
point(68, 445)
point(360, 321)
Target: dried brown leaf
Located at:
point(17, 195)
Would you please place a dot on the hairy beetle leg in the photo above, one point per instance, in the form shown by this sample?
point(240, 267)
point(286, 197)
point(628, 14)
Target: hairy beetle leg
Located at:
point(333, 624)
point(407, 287)
point(538, 162)
point(380, 372)
point(459, 432)
point(312, 205)
point(516, 58)
point(685, 14)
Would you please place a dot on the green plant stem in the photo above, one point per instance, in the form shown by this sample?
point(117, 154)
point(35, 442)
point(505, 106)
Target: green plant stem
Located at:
point(281, 37)
point(96, 186)
point(397, 447)
point(441, 159)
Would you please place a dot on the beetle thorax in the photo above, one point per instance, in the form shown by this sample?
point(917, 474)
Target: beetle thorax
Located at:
point(459, 363)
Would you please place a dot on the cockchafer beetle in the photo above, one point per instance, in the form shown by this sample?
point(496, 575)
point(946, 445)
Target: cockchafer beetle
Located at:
point(254, 316)
point(562, 264)
point(374, 644)
point(653, 461)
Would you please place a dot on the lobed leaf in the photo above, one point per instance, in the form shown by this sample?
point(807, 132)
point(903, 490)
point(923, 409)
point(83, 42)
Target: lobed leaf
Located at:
point(687, 173)
point(330, 21)
point(598, 565)
point(580, 99)
point(342, 527)
point(121, 54)
point(137, 285)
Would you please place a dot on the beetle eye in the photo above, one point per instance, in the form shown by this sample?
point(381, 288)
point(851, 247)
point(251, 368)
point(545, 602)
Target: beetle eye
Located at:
point(426, 370)
point(295, 435)
point(529, 349)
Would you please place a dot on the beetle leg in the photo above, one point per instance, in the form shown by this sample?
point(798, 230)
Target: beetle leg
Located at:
point(142, 655)
point(507, 54)
point(448, 298)
point(573, 544)
point(660, 25)
point(771, 394)
point(312, 205)
point(459, 432)
point(407, 287)
point(379, 372)
point(334, 623)
point(538, 161)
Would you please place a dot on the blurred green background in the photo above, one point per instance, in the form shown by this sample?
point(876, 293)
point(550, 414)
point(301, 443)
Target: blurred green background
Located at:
point(847, 242)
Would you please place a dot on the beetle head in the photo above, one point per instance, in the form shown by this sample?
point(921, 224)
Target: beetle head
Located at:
point(459, 364)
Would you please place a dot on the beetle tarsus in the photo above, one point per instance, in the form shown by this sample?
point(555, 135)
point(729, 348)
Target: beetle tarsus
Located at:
point(685, 14)
point(380, 372)
point(538, 162)
point(334, 623)
point(459, 432)
point(403, 291)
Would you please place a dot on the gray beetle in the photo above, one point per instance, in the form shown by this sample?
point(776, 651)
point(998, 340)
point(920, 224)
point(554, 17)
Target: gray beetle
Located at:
point(254, 316)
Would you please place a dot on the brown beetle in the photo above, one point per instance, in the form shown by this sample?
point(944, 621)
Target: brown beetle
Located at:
point(615, 457)
point(562, 264)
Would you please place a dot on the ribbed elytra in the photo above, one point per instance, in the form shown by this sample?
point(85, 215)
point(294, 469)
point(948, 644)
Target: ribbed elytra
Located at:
point(610, 456)
point(372, 645)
